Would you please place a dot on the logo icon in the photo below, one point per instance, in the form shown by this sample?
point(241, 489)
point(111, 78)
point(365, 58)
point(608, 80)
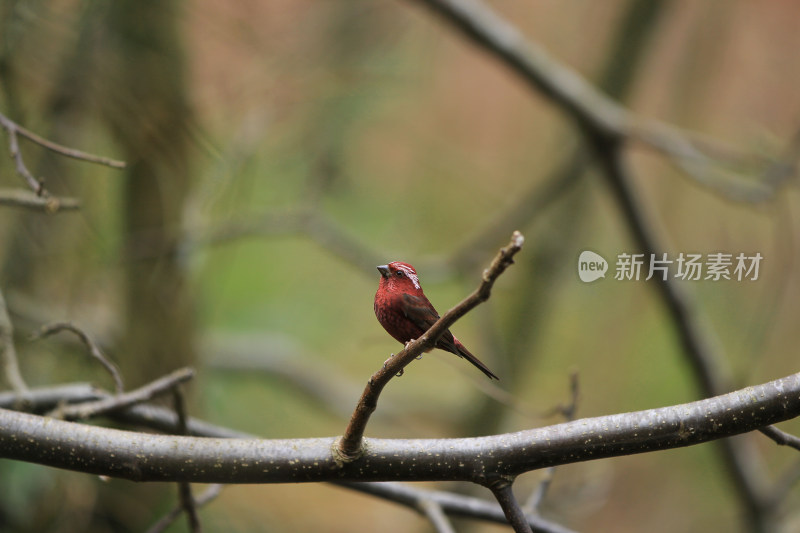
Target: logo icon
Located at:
point(591, 266)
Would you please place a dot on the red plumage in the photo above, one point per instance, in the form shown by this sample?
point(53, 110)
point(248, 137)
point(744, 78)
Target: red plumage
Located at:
point(405, 312)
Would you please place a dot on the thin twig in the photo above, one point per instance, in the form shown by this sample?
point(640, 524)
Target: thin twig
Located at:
point(451, 503)
point(94, 349)
point(10, 126)
point(30, 200)
point(9, 354)
point(208, 496)
point(502, 490)
point(126, 399)
point(433, 511)
point(349, 446)
point(568, 411)
point(15, 131)
point(13, 147)
point(781, 437)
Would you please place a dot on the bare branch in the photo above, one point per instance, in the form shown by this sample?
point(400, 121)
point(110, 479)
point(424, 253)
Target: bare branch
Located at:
point(30, 200)
point(502, 490)
point(148, 457)
point(41, 400)
point(13, 147)
point(94, 349)
point(596, 112)
point(433, 511)
point(781, 437)
point(207, 497)
point(349, 446)
point(15, 129)
point(452, 504)
point(125, 399)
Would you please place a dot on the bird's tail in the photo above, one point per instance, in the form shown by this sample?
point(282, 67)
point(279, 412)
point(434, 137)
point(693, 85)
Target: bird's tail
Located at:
point(463, 352)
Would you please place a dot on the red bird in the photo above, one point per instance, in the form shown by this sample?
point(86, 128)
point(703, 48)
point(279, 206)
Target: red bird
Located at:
point(405, 312)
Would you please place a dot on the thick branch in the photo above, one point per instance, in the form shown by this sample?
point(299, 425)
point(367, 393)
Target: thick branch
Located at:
point(350, 445)
point(166, 421)
point(145, 457)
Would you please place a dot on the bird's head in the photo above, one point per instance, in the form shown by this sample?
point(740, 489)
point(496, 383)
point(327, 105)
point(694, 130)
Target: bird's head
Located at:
point(399, 277)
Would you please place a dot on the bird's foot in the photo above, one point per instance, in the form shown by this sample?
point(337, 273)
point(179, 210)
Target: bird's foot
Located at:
point(402, 371)
point(409, 342)
point(387, 361)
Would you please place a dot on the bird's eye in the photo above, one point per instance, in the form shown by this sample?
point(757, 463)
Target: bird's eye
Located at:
point(399, 273)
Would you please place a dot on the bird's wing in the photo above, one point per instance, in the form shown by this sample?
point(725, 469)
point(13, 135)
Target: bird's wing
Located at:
point(420, 311)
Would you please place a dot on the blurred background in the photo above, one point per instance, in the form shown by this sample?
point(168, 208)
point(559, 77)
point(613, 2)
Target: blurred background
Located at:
point(278, 150)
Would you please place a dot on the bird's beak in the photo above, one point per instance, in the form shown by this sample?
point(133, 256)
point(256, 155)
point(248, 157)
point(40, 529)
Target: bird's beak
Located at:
point(384, 270)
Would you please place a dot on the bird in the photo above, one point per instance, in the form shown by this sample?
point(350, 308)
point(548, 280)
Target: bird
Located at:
point(406, 313)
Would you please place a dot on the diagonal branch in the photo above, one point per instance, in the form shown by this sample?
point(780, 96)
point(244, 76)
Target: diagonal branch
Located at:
point(434, 513)
point(15, 131)
point(781, 437)
point(597, 113)
point(126, 399)
point(350, 445)
point(208, 496)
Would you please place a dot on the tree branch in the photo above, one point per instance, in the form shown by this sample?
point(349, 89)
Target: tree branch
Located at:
point(119, 401)
point(596, 112)
point(30, 200)
point(433, 511)
point(208, 496)
point(8, 355)
point(502, 490)
point(349, 447)
point(781, 437)
point(146, 457)
point(94, 349)
point(452, 504)
point(15, 131)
